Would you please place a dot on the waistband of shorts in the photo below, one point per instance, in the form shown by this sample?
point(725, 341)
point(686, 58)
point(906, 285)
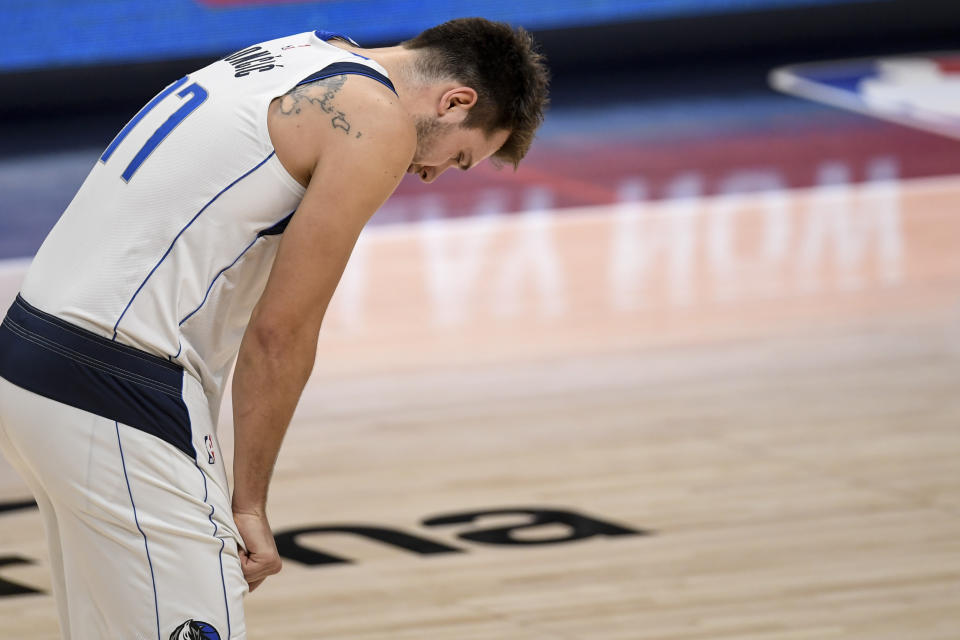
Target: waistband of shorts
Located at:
point(61, 361)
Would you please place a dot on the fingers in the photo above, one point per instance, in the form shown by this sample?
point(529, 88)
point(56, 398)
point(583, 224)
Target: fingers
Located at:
point(259, 557)
point(255, 567)
point(258, 566)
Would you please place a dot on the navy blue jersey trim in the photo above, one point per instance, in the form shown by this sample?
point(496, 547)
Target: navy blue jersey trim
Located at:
point(55, 359)
point(273, 230)
point(177, 237)
point(212, 282)
point(349, 68)
point(136, 521)
point(278, 228)
point(327, 35)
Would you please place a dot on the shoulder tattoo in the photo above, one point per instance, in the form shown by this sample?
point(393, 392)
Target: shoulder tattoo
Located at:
point(318, 94)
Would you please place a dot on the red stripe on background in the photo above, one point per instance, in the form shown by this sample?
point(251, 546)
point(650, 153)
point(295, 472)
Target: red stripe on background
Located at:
point(592, 173)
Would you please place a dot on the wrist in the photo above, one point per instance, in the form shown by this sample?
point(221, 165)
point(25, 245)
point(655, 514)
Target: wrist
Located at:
point(256, 509)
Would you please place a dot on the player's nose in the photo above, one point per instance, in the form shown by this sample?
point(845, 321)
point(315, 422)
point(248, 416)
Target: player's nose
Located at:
point(429, 174)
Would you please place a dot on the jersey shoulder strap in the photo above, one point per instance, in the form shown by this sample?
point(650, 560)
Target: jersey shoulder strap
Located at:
point(345, 68)
point(349, 68)
point(329, 35)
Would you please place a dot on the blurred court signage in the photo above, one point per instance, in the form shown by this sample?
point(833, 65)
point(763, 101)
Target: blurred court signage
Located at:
point(522, 532)
point(523, 527)
point(664, 249)
point(70, 33)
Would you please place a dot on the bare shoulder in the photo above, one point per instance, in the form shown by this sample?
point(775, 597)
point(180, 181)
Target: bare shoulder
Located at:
point(337, 116)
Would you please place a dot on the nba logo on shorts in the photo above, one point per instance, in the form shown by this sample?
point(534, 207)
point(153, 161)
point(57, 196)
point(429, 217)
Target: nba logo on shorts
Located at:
point(211, 456)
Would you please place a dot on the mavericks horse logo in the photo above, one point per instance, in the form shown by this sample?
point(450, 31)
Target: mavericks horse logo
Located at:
point(195, 630)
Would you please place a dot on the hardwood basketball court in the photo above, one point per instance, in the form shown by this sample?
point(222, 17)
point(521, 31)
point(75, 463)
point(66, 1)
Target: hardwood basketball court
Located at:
point(750, 401)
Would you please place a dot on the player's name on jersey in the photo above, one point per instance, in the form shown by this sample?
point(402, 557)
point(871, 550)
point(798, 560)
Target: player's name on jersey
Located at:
point(255, 58)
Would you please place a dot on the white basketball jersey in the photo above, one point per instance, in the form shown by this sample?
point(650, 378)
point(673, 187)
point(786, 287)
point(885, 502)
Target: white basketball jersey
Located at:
point(168, 244)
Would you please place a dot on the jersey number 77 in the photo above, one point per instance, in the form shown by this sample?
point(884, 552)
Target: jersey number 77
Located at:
point(197, 95)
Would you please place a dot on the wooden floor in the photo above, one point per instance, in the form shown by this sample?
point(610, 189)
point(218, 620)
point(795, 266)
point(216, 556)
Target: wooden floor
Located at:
point(763, 388)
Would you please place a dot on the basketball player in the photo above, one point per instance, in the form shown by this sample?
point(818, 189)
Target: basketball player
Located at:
point(215, 228)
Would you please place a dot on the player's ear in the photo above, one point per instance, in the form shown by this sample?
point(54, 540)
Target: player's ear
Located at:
point(455, 104)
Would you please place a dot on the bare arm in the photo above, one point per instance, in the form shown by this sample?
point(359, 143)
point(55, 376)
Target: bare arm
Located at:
point(348, 180)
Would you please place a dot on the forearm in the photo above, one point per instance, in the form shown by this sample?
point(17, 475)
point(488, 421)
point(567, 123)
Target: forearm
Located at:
point(269, 377)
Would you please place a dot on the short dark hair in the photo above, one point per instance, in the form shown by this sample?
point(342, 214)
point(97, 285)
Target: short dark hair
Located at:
point(505, 68)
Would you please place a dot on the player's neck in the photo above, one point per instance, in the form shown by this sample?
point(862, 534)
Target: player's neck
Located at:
point(396, 60)
point(399, 64)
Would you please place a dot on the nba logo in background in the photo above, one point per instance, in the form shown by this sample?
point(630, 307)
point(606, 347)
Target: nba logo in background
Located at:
point(920, 90)
point(211, 454)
